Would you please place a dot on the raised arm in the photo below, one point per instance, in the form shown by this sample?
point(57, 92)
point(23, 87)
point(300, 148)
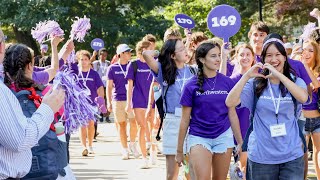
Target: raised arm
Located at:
point(148, 56)
point(52, 71)
point(233, 98)
point(299, 93)
point(19, 133)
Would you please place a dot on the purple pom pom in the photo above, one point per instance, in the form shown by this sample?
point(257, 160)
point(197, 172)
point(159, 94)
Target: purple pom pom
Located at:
point(101, 104)
point(78, 110)
point(44, 30)
point(80, 28)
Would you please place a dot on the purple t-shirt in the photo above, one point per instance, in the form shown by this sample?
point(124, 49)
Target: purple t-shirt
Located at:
point(230, 68)
point(141, 84)
point(39, 76)
point(92, 80)
point(116, 72)
point(209, 115)
point(314, 103)
point(243, 113)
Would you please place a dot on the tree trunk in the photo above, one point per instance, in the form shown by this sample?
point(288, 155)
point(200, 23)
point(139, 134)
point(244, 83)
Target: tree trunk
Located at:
point(25, 37)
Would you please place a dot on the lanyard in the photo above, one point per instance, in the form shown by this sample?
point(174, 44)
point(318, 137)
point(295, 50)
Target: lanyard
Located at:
point(183, 80)
point(124, 72)
point(276, 106)
point(85, 79)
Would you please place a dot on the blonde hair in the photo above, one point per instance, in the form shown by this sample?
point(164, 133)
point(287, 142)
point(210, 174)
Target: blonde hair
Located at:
point(315, 64)
point(142, 44)
point(243, 46)
point(82, 53)
point(172, 33)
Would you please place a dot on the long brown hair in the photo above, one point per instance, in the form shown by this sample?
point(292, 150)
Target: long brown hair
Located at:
point(315, 63)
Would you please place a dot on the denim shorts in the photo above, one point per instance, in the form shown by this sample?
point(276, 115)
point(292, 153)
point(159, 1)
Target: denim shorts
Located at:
point(312, 125)
point(292, 170)
point(216, 145)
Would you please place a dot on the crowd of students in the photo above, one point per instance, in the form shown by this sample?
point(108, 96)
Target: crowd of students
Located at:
point(254, 101)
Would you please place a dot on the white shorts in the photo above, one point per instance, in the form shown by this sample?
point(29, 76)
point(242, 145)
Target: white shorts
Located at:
point(171, 126)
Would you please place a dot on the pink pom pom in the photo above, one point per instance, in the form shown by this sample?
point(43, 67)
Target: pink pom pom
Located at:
point(44, 30)
point(80, 28)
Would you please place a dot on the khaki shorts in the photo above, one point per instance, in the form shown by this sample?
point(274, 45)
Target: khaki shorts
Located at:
point(120, 114)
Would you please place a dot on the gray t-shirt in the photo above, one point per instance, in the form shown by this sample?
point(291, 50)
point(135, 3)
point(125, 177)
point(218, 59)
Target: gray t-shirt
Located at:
point(101, 68)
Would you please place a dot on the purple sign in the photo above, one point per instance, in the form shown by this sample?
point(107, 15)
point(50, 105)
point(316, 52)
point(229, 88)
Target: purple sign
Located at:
point(97, 44)
point(224, 21)
point(184, 21)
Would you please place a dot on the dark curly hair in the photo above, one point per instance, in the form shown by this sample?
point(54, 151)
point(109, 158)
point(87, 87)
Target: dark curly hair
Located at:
point(16, 59)
point(201, 52)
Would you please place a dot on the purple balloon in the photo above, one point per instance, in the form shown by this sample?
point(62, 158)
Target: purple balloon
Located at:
point(184, 21)
point(97, 44)
point(224, 21)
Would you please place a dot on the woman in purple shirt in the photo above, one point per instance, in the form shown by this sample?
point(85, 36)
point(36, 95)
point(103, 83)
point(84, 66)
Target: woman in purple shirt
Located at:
point(244, 59)
point(139, 80)
point(311, 61)
point(210, 140)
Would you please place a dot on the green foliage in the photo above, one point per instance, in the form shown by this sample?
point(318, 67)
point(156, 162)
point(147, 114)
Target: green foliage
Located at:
point(127, 21)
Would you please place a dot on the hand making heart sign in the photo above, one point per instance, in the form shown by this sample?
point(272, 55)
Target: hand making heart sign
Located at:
point(254, 71)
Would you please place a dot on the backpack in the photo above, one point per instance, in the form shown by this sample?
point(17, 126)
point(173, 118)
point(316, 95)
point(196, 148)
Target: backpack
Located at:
point(250, 129)
point(49, 156)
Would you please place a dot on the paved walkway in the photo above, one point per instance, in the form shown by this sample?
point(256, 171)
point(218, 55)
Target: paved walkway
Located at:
point(106, 163)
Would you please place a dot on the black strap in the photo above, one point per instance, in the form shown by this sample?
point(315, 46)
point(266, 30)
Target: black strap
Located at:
point(250, 129)
point(135, 67)
point(161, 118)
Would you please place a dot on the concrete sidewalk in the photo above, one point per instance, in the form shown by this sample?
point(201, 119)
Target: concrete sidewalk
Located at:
point(106, 163)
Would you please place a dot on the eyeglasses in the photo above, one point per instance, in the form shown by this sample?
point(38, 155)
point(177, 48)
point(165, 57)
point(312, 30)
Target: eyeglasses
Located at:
point(180, 49)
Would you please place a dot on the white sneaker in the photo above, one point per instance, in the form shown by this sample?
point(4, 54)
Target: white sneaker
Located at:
point(153, 157)
point(91, 150)
point(158, 148)
point(134, 150)
point(125, 154)
point(145, 164)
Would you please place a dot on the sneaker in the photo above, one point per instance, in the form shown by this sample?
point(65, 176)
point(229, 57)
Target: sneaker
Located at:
point(153, 158)
point(85, 152)
point(125, 154)
point(158, 148)
point(91, 150)
point(145, 164)
point(134, 150)
point(108, 120)
point(148, 146)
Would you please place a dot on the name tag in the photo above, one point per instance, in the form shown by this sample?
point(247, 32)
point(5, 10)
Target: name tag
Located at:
point(178, 112)
point(278, 130)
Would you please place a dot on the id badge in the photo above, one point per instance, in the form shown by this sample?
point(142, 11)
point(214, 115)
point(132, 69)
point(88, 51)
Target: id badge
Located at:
point(126, 86)
point(278, 130)
point(178, 112)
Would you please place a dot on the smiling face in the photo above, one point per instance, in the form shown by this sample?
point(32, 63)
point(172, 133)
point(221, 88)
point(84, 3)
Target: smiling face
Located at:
point(308, 53)
point(245, 57)
point(212, 60)
point(275, 58)
point(256, 40)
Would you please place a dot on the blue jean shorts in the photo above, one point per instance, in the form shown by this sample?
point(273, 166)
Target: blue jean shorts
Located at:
point(312, 125)
point(216, 145)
